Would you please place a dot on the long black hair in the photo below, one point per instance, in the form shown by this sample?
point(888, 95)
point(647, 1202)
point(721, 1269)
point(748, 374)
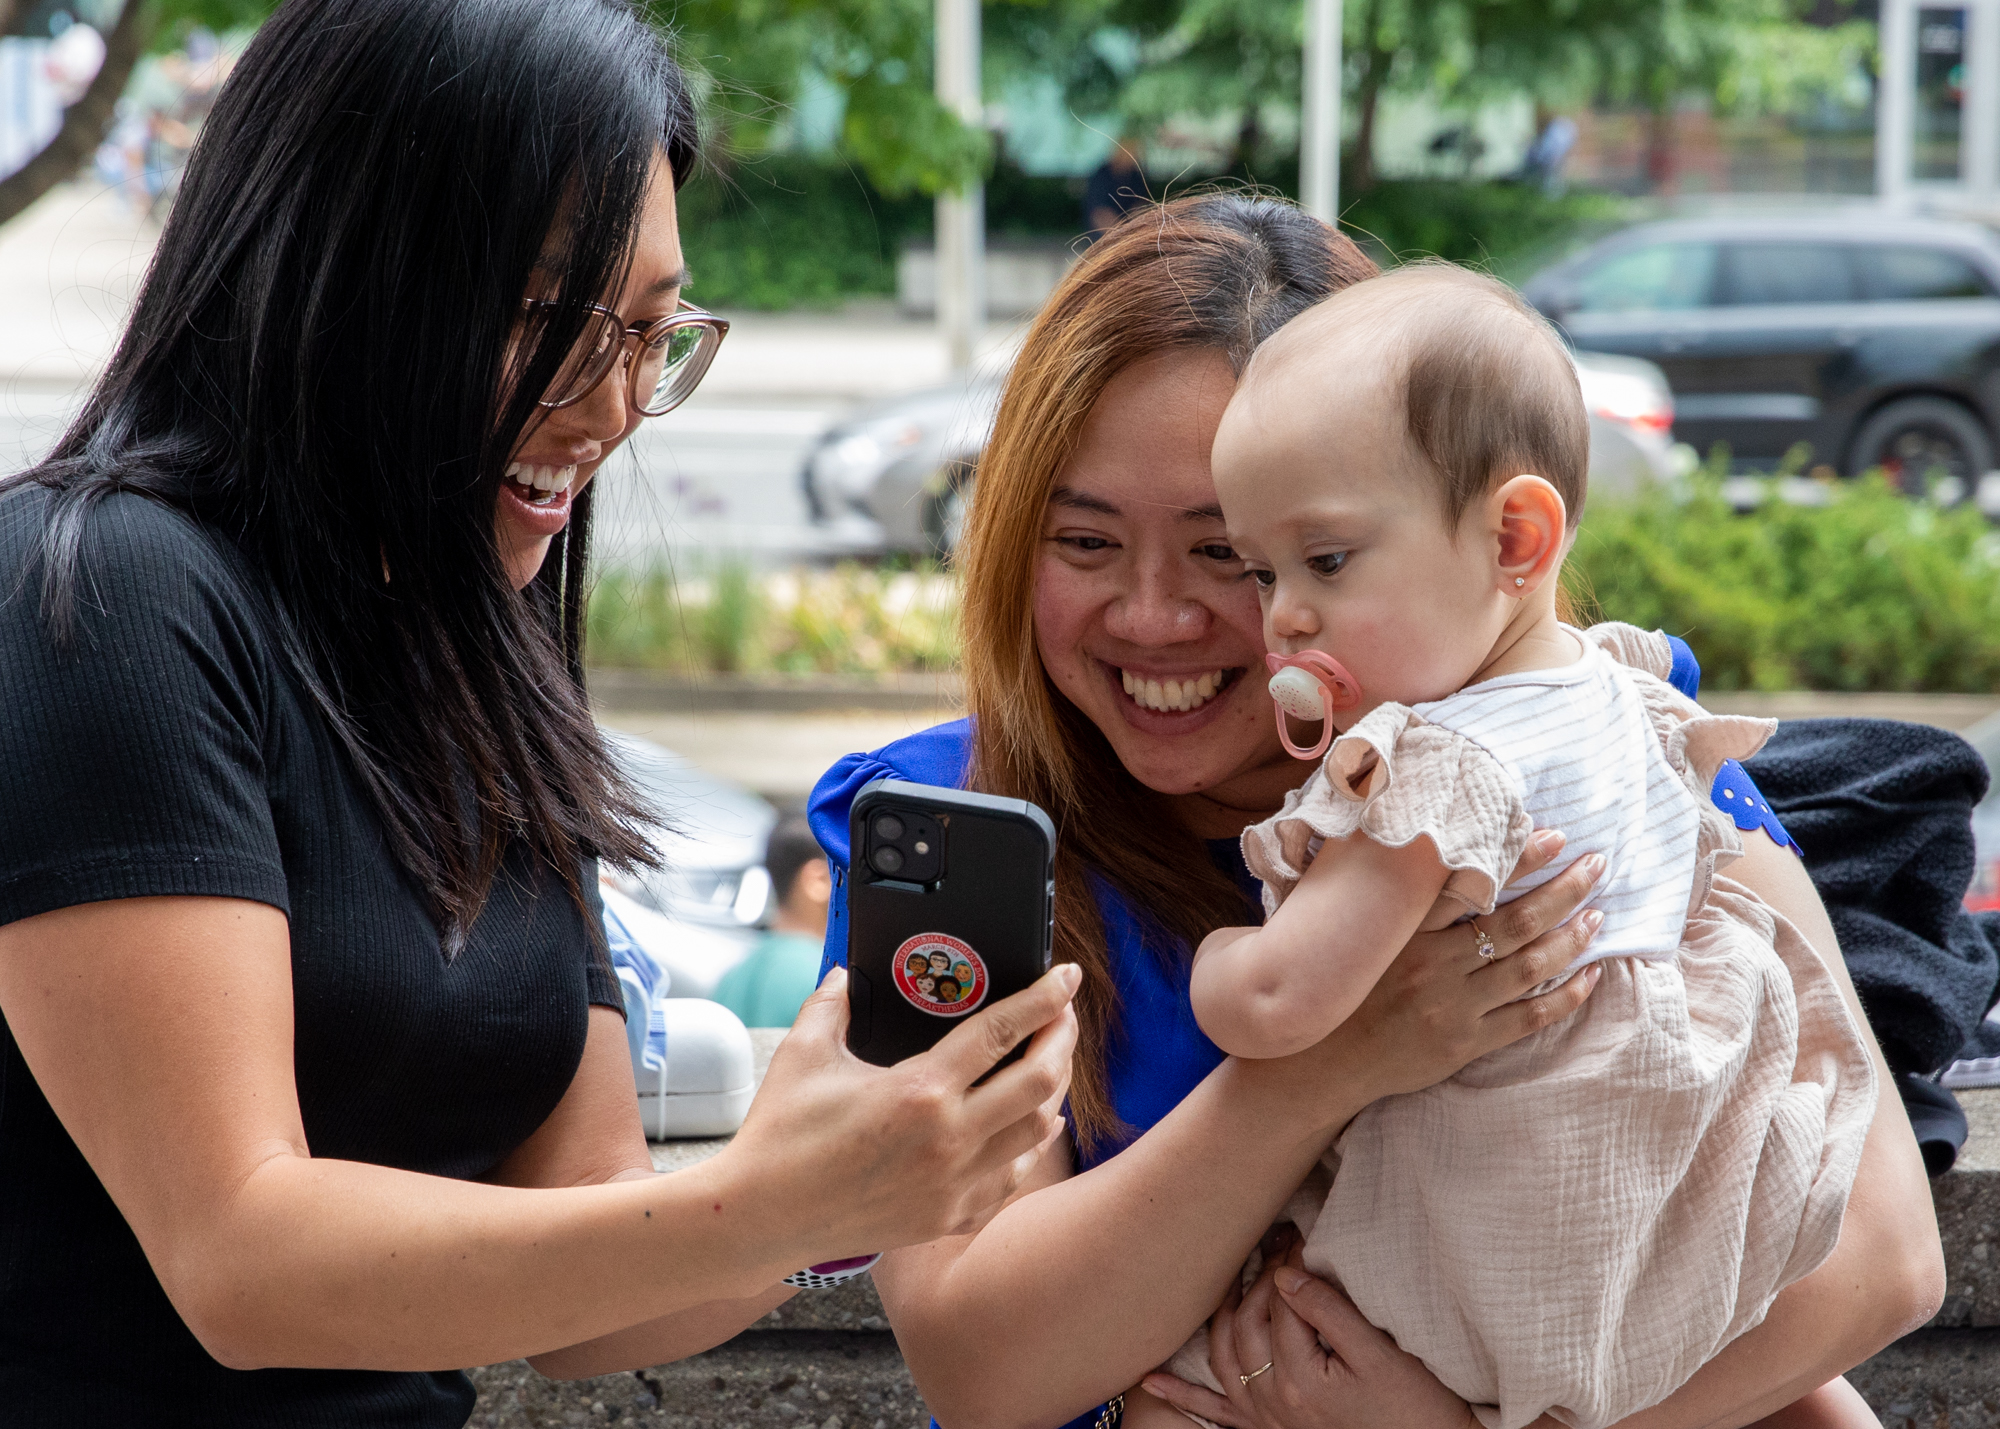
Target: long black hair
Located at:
point(320, 368)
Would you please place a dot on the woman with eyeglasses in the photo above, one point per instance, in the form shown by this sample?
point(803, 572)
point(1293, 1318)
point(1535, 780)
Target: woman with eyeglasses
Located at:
point(314, 1081)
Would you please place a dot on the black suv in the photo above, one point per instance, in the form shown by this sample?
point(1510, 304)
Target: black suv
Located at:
point(1873, 339)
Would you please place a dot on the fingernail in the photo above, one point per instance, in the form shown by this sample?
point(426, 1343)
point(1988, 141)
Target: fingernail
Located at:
point(1072, 976)
point(1593, 973)
point(1290, 1281)
point(1593, 864)
point(1550, 841)
point(1592, 920)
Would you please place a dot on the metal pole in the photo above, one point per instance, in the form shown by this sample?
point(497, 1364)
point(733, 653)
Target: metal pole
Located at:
point(1979, 165)
point(1895, 101)
point(1319, 139)
point(961, 217)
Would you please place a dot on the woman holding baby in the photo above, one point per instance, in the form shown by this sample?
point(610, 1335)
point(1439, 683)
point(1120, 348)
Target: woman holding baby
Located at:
point(1115, 660)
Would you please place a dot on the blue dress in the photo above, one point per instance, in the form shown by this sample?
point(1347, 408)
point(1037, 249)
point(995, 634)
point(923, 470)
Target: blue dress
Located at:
point(1159, 1054)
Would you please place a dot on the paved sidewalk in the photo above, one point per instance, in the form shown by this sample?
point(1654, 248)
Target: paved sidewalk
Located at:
point(69, 268)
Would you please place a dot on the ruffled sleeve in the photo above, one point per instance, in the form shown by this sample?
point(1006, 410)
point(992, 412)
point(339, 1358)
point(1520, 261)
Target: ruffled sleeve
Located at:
point(1649, 651)
point(1664, 657)
point(937, 755)
point(1396, 778)
point(1699, 745)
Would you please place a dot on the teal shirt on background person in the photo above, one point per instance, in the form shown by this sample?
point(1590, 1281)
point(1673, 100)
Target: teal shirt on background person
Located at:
point(767, 988)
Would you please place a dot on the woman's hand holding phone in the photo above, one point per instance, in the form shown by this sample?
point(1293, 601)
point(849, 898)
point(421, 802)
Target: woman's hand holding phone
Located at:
point(848, 1158)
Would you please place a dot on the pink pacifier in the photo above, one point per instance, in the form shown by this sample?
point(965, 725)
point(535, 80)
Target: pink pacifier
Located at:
point(1310, 685)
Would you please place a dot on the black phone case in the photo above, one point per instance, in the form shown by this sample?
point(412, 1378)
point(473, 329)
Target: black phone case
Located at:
point(993, 895)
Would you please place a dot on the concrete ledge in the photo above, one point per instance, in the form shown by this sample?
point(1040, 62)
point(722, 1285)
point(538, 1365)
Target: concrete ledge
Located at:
point(658, 692)
point(1952, 712)
point(662, 692)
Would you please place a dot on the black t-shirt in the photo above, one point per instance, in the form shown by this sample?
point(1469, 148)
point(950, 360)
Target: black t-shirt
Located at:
point(167, 750)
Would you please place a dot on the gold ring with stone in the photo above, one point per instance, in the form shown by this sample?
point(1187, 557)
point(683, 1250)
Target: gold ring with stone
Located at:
point(1485, 940)
point(1246, 1378)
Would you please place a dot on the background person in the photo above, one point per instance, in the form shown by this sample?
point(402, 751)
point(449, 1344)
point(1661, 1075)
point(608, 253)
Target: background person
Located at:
point(1114, 188)
point(1109, 629)
point(313, 1059)
point(768, 988)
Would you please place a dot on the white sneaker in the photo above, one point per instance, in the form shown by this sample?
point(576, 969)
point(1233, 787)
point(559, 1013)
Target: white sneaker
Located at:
point(1974, 1072)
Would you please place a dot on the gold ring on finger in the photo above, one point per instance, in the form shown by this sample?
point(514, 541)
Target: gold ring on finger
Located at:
point(1485, 940)
point(1246, 1378)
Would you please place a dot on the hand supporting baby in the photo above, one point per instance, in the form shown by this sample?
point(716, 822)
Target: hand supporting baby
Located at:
point(1329, 1368)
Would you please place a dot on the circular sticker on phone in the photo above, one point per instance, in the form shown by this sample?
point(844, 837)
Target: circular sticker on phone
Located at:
point(940, 974)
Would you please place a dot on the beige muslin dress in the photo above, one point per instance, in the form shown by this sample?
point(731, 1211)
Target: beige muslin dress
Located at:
point(1576, 1223)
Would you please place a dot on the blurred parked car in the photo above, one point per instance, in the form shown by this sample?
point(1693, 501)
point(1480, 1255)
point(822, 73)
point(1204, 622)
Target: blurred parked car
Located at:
point(697, 916)
point(1874, 339)
point(897, 475)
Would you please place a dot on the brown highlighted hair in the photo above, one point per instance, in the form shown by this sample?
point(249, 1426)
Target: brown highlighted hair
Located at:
point(1489, 391)
point(1218, 272)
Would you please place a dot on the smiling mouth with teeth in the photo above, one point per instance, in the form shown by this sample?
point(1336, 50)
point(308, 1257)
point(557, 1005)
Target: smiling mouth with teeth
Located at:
point(1175, 696)
point(540, 485)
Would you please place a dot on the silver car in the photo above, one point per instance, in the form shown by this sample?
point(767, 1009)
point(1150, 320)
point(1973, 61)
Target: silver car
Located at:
point(714, 891)
point(897, 475)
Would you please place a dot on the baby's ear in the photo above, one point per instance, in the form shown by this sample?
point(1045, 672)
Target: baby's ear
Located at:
point(1532, 529)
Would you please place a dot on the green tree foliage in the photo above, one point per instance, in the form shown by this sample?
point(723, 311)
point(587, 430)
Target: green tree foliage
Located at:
point(178, 17)
point(754, 58)
point(1239, 59)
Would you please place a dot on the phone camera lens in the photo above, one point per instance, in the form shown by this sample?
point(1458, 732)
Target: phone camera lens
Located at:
point(889, 827)
point(886, 859)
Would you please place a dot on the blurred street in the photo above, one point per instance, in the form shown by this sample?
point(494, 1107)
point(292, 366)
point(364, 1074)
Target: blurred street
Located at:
point(715, 480)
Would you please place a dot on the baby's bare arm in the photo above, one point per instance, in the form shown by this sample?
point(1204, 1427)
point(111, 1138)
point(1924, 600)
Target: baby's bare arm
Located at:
point(1276, 990)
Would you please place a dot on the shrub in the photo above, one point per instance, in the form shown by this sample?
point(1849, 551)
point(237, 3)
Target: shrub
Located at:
point(793, 231)
point(1511, 228)
point(1869, 591)
point(790, 231)
point(785, 232)
point(848, 621)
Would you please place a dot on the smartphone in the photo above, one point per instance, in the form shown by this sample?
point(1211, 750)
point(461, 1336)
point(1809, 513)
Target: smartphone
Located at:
point(950, 907)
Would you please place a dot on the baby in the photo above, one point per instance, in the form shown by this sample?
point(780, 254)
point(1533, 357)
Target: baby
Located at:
point(1577, 1223)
